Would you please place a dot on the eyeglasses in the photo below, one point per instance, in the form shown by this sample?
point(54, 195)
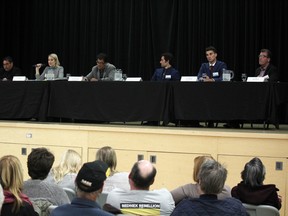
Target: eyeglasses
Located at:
point(262, 56)
point(100, 62)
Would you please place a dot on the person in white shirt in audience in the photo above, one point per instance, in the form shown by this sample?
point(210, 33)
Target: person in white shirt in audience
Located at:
point(140, 200)
point(65, 173)
point(115, 179)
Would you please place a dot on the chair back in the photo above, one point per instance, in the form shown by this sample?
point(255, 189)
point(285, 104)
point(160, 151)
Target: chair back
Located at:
point(261, 210)
point(41, 206)
point(70, 193)
point(51, 208)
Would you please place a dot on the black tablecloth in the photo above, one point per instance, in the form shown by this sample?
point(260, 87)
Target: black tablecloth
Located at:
point(24, 100)
point(145, 101)
point(222, 101)
point(109, 101)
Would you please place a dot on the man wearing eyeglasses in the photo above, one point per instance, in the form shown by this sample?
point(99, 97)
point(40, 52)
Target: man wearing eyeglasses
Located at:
point(266, 69)
point(9, 70)
point(102, 71)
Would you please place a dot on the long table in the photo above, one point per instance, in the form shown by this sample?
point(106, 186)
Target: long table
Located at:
point(144, 101)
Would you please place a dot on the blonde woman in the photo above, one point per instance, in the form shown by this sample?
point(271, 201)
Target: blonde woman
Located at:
point(116, 179)
point(193, 190)
point(52, 71)
point(15, 202)
point(65, 173)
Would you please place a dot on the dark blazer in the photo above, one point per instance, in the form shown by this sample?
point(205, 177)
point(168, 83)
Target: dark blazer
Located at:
point(171, 74)
point(216, 74)
point(271, 71)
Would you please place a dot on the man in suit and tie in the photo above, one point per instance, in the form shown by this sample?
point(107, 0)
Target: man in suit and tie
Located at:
point(212, 70)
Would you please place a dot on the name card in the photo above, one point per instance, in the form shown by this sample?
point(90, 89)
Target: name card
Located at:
point(188, 79)
point(19, 78)
point(75, 78)
point(134, 79)
point(256, 79)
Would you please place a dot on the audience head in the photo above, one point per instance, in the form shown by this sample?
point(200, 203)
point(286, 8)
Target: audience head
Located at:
point(198, 161)
point(211, 54)
point(11, 175)
point(166, 59)
point(1, 198)
point(53, 60)
point(91, 176)
point(142, 175)
point(70, 163)
point(212, 177)
point(39, 163)
point(264, 57)
point(7, 63)
point(108, 155)
point(253, 173)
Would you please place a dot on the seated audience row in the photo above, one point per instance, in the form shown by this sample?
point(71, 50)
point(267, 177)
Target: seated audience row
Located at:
point(127, 194)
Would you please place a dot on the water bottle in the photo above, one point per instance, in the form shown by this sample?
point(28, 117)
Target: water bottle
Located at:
point(118, 75)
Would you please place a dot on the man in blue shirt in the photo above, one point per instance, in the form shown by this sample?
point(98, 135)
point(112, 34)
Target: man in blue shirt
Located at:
point(89, 183)
point(166, 72)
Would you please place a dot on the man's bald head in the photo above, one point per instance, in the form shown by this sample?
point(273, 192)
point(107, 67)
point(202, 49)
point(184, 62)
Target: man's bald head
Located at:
point(143, 174)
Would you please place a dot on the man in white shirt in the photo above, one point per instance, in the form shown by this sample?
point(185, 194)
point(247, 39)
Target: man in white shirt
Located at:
point(140, 200)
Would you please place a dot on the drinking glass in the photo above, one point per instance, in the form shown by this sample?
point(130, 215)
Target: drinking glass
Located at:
point(244, 77)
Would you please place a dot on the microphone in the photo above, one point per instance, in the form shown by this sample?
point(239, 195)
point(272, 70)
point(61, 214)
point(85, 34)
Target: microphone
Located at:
point(42, 65)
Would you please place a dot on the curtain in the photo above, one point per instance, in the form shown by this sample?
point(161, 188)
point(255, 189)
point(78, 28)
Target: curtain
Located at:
point(134, 33)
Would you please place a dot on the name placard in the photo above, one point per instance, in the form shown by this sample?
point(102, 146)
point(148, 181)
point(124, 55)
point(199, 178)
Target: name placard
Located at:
point(188, 79)
point(19, 78)
point(75, 78)
point(256, 79)
point(134, 79)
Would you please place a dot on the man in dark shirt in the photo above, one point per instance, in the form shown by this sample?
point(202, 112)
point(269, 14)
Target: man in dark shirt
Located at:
point(166, 72)
point(9, 70)
point(266, 69)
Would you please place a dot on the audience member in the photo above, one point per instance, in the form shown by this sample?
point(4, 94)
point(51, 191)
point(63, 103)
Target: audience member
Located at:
point(212, 70)
point(11, 174)
point(102, 71)
point(115, 179)
point(39, 163)
point(89, 183)
point(212, 177)
point(52, 71)
point(9, 70)
point(65, 173)
point(251, 189)
point(193, 190)
point(140, 200)
point(167, 72)
point(266, 68)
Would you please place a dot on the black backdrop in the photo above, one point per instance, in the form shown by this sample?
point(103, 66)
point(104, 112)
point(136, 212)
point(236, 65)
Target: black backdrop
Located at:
point(135, 32)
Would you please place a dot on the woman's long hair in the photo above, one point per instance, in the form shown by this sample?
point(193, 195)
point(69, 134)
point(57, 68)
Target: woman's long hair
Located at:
point(71, 163)
point(11, 175)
